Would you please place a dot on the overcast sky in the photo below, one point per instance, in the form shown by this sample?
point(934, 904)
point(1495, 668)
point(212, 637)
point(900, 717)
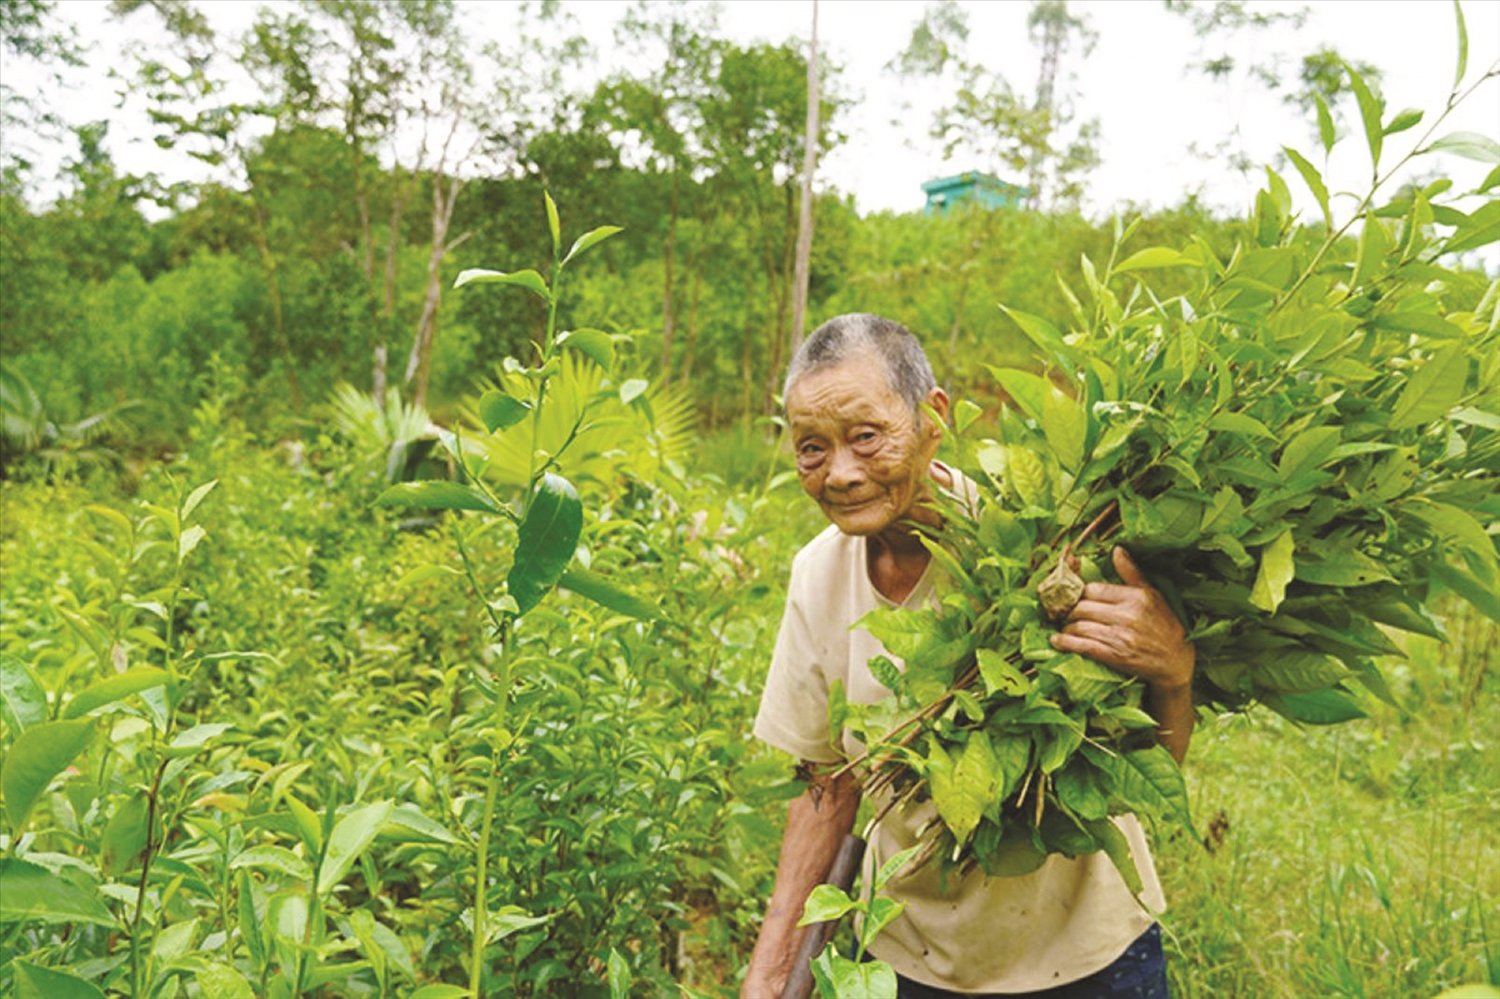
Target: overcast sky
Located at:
point(1151, 105)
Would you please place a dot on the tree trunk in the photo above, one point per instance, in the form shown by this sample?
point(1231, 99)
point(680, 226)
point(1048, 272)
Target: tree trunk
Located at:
point(419, 362)
point(783, 303)
point(805, 213)
point(668, 319)
point(690, 352)
point(273, 291)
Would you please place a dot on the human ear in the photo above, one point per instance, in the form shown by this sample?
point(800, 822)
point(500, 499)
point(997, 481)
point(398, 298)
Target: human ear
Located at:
point(937, 399)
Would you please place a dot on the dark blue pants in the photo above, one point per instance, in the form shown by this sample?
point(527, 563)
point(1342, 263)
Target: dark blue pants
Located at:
point(1139, 973)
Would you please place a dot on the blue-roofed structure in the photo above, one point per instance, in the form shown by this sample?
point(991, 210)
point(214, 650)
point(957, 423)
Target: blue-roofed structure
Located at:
point(983, 189)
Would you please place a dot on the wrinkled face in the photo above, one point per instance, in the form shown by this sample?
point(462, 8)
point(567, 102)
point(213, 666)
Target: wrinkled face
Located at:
point(862, 454)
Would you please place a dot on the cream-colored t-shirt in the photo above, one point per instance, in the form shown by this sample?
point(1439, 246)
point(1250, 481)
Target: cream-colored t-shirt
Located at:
point(1060, 923)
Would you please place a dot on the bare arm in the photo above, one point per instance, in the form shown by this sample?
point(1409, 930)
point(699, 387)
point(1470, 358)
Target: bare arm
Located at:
point(816, 823)
point(1131, 629)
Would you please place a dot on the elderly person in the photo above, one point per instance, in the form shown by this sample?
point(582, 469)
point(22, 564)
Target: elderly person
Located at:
point(865, 454)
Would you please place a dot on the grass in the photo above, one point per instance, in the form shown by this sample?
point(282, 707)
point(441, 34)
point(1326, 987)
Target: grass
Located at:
point(1359, 860)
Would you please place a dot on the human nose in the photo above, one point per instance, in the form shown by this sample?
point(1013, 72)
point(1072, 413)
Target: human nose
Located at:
point(844, 469)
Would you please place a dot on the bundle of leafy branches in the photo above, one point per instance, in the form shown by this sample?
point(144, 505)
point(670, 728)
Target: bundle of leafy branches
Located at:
point(1301, 451)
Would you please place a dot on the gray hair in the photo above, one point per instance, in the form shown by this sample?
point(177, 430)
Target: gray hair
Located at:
point(906, 368)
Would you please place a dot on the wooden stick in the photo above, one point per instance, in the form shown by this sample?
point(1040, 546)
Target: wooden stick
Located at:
point(841, 875)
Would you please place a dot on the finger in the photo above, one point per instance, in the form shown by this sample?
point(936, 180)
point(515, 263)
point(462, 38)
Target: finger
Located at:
point(1109, 593)
point(1098, 610)
point(1126, 568)
point(1105, 634)
point(1092, 648)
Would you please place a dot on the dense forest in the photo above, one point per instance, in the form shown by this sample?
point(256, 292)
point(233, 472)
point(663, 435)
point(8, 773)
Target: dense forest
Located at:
point(298, 699)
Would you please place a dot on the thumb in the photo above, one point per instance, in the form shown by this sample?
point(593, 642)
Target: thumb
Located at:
point(1129, 574)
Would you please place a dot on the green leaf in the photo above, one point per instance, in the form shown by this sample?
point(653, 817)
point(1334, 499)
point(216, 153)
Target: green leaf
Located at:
point(188, 540)
point(591, 238)
point(1065, 427)
point(249, 923)
point(1318, 707)
point(837, 977)
point(380, 943)
point(1326, 133)
point(528, 279)
point(351, 836)
point(1433, 390)
point(1403, 121)
point(220, 981)
point(509, 919)
point(34, 982)
point(1481, 594)
point(197, 496)
point(1342, 568)
point(606, 594)
point(597, 345)
point(31, 893)
point(1462, 64)
point(1151, 777)
point(1314, 181)
point(23, 699)
point(1001, 676)
point(39, 754)
point(1297, 671)
point(1458, 526)
point(408, 823)
point(631, 389)
point(1025, 388)
point(190, 741)
point(124, 836)
point(965, 412)
point(1043, 334)
point(115, 688)
point(1154, 257)
point(1117, 849)
point(619, 975)
point(1276, 570)
point(499, 410)
point(1374, 244)
point(547, 538)
point(274, 858)
point(1469, 145)
point(1370, 109)
point(1239, 423)
point(826, 902)
point(554, 224)
point(440, 992)
point(436, 494)
point(963, 787)
point(1087, 681)
point(1307, 452)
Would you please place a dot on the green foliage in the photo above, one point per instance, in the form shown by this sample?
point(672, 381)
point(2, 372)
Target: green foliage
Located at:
point(1308, 423)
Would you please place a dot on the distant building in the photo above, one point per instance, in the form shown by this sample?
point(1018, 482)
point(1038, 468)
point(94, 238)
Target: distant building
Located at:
point(987, 190)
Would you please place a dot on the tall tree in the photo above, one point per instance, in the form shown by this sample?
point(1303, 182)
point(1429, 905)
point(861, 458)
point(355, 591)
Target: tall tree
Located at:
point(990, 120)
point(805, 212)
point(661, 112)
point(186, 81)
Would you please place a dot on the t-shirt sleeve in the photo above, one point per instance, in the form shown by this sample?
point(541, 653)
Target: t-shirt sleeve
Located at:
point(793, 714)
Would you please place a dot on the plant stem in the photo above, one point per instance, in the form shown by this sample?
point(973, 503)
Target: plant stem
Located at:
point(486, 823)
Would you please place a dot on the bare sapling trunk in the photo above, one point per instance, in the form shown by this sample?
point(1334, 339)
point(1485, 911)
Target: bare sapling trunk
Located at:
point(445, 191)
point(805, 213)
point(669, 258)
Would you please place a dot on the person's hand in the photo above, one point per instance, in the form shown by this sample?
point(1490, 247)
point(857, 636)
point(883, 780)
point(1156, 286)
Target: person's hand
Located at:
point(1130, 628)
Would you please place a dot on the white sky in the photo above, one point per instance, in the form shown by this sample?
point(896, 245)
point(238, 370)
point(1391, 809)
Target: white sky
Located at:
point(1151, 106)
